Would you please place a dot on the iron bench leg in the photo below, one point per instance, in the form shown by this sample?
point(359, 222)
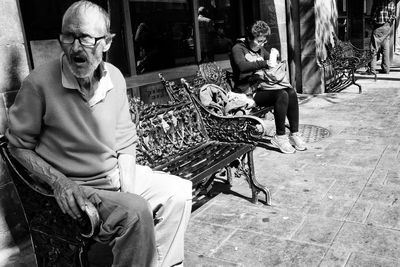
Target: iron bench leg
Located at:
point(255, 186)
point(353, 81)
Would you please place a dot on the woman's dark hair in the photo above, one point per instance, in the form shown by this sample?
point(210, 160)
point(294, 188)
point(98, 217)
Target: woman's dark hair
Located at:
point(258, 28)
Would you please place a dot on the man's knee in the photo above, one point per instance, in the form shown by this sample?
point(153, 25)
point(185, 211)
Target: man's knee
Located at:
point(122, 213)
point(132, 210)
point(138, 209)
point(183, 191)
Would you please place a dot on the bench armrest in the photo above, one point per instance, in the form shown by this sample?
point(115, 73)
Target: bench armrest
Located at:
point(40, 207)
point(243, 128)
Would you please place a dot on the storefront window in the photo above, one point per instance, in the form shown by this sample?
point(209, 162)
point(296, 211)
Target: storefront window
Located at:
point(163, 34)
point(218, 29)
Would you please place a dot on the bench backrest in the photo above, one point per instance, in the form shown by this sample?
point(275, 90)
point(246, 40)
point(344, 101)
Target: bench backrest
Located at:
point(207, 73)
point(166, 130)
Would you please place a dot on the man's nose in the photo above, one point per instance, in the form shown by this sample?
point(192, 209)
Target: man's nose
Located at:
point(76, 45)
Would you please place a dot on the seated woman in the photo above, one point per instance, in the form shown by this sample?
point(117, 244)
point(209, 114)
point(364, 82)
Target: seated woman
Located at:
point(250, 60)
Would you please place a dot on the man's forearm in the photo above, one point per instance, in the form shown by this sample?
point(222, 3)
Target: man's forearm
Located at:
point(67, 193)
point(36, 165)
point(127, 170)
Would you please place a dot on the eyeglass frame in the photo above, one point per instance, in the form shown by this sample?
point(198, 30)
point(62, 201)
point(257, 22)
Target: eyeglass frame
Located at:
point(96, 39)
point(260, 43)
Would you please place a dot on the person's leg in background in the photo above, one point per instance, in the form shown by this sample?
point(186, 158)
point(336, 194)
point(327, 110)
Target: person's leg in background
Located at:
point(171, 196)
point(385, 65)
point(293, 117)
point(280, 100)
point(380, 35)
point(374, 47)
point(293, 110)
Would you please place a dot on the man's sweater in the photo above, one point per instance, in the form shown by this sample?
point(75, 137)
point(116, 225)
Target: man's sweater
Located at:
point(80, 140)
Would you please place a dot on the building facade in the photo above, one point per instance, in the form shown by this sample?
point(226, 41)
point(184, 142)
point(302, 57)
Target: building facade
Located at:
point(165, 36)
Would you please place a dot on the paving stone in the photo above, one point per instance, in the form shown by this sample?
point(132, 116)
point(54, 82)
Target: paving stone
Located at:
point(252, 249)
point(335, 258)
point(385, 216)
point(203, 238)
point(371, 240)
point(383, 194)
point(390, 158)
point(348, 188)
point(392, 178)
point(319, 230)
point(21, 255)
point(199, 260)
point(365, 131)
point(365, 160)
point(295, 198)
point(359, 211)
point(359, 259)
point(261, 218)
point(379, 176)
point(332, 207)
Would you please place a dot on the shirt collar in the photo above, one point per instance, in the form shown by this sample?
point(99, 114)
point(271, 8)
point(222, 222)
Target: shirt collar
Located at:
point(69, 81)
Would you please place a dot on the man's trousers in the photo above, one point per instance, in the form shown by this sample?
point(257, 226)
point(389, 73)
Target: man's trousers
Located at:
point(127, 219)
point(380, 41)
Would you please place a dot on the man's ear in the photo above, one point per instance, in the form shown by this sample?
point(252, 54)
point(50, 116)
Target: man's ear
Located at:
point(108, 41)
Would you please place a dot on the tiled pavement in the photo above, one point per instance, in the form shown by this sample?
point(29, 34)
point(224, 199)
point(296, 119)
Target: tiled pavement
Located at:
point(336, 204)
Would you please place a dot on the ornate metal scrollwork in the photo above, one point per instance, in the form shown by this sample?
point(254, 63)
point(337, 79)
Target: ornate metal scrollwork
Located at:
point(57, 238)
point(166, 130)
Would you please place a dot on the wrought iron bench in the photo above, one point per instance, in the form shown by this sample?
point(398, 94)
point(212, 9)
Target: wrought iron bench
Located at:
point(176, 138)
point(190, 91)
point(173, 138)
point(343, 60)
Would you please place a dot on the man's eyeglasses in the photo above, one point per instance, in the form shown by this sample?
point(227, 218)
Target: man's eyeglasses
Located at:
point(86, 40)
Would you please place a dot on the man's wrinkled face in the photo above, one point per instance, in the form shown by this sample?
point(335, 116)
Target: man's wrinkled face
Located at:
point(83, 40)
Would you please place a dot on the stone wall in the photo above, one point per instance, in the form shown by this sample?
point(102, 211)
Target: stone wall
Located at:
point(15, 245)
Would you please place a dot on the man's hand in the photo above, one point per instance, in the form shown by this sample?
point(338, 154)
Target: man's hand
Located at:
point(69, 197)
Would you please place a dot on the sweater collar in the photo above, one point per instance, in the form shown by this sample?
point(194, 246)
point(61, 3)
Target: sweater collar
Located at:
point(69, 81)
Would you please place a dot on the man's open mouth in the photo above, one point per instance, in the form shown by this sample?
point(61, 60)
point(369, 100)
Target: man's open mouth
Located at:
point(79, 59)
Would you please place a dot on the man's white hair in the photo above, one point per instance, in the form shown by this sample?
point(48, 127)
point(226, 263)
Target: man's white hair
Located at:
point(81, 6)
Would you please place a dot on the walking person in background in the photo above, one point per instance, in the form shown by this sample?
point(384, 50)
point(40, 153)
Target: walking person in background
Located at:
point(256, 72)
point(207, 35)
point(383, 14)
point(70, 126)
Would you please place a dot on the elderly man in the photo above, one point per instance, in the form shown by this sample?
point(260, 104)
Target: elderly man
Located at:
point(70, 125)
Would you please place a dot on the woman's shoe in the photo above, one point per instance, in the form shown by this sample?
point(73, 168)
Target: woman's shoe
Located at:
point(282, 143)
point(298, 142)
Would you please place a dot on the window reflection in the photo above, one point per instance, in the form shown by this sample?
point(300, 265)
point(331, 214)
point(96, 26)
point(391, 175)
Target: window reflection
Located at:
point(217, 29)
point(163, 34)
